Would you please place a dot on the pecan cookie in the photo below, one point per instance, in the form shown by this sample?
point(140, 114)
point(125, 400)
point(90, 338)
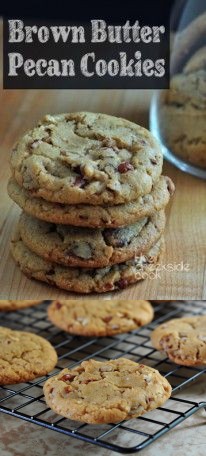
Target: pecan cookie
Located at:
point(183, 339)
point(87, 158)
point(9, 305)
point(82, 280)
point(196, 62)
point(183, 111)
point(95, 216)
point(106, 392)
point(90, 247)
point(100, 318)
point(24, 356)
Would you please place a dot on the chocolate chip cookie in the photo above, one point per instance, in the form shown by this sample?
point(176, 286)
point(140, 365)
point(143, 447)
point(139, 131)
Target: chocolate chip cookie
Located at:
point(87, 158)
point(95, 216)
point(24, 356)
point(106, 392)
point(100, 317)
point(90, 247)
point(183, 339)
point(82, 280)
point(9, 305)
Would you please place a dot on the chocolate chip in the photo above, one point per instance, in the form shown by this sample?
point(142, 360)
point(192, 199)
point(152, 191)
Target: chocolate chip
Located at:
point(124, 167)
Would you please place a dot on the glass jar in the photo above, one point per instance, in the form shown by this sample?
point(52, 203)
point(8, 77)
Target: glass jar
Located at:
point(178, 115)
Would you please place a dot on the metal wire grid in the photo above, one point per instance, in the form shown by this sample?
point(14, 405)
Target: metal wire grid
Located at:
point(26, 401)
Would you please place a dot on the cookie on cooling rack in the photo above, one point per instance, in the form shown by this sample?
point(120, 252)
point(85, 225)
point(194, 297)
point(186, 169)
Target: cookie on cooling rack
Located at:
point(100, 317)
point(183, 339)
point(106, 392)
point(9, 305)
point(24, 356)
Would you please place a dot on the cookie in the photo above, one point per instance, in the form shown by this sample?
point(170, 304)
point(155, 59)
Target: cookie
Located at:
point(196, 62)
point(87, 158)
point(188, 91)
point(106, 392)
point(90, 247)
point(116, 277)
point(187, 42)
point(9, 305)
point(24, 356)
point(95, 216)
point(183, 117)
point(183, 339)
point(99, 318)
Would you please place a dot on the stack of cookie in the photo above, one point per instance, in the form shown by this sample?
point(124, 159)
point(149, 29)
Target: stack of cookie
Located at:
point(93, 202)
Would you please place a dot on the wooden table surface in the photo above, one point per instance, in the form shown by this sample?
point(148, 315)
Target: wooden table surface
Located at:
point(186, 215)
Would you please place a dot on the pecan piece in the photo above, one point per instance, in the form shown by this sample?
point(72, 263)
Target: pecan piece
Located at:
point(122, 283)
point(58, 305)
point(79, 182)
point(81, 250)
point(67, 378)
point(124, 167)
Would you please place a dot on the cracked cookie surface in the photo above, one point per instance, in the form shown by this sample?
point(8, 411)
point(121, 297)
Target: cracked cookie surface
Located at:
point(100, 317)
point(9, 305)
point(83, 280)
point(106, 392)
point(90, 247)
point(87, 158)
point(95, 216)
point(183, 339)
point(24, 356)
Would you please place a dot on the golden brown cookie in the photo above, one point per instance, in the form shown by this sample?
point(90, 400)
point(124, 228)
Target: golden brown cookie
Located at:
point(106, 392)
point(183, 339)
point(196, 62)
point(94, 216)
point(9, 305)
point(82, 280)
point(90, 247)
point(24, 356)
point(87, 158)
point(100, 317)
point(183, 114)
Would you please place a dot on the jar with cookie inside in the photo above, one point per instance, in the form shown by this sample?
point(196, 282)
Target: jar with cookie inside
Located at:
point(178, 114)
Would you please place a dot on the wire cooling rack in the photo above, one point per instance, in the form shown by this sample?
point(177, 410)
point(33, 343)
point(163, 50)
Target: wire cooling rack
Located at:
point(26, 401)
